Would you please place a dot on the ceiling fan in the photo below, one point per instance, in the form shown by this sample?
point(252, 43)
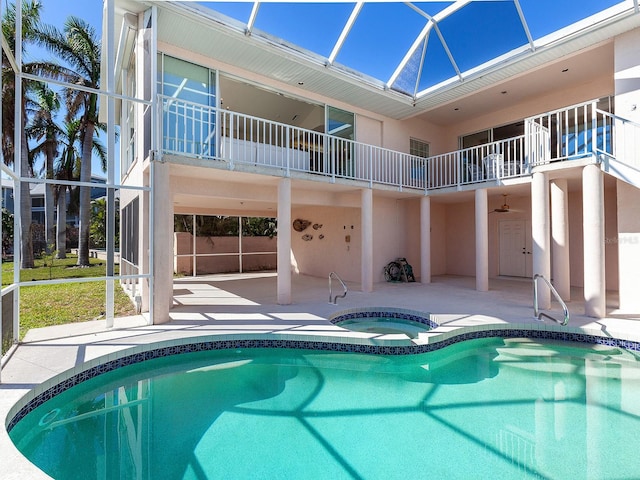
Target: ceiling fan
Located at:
point(504, 208)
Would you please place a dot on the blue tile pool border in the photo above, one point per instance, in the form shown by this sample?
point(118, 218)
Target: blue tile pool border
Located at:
point(383, 312)
point(103, 365)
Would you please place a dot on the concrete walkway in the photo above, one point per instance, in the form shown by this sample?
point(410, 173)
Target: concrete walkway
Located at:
point(245, 304)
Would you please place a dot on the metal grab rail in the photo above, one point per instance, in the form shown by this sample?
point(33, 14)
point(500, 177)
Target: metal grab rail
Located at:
point(536, 311)
point(334, 301)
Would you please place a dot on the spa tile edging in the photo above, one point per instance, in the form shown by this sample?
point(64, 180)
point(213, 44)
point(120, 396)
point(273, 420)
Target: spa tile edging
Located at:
point(387, 312)
point(62, 382)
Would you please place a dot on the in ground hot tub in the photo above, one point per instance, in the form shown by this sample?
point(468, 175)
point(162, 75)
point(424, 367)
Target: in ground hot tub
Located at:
point(383, 321)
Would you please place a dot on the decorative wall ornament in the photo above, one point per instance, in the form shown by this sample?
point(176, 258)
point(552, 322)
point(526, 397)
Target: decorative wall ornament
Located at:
point(321, 236)
point(316, 226)
point(300, 225)
point(306, 237)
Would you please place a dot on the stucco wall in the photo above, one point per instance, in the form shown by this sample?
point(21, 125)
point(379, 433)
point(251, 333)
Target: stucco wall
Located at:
point(460, 238)
point(438, 238)
point(411, 246)
point(331, 253)
point(628, 242)
point(335, 252)
point(627, 238)
point(627, 75)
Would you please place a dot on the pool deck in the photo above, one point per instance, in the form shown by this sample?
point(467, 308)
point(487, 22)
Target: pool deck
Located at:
point(246, 304)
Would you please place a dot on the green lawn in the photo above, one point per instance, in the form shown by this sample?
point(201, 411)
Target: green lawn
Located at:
point(45, 305)
point(46, 270)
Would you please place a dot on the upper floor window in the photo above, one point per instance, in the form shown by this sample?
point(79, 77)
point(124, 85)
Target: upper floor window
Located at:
point(187, 81)
point(418, 148)
point(188, 120)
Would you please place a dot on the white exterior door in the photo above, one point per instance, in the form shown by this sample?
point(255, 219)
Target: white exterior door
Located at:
point(515, 248)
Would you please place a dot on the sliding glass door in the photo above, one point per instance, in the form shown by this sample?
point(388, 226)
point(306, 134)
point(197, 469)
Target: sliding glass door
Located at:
point(188, 120)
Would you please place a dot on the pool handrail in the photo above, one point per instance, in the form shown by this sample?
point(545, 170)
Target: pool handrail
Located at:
point(334, 300)
point(536, 311)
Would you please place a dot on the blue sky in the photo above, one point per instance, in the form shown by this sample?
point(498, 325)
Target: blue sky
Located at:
point(55, 12)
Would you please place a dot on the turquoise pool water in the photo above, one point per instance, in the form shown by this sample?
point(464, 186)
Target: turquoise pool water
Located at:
point(485, 409)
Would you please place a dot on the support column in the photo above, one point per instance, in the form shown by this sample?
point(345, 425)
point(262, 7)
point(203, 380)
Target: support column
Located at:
point(482, 240)
point(425, 239)
point(540, 235)
point(593, 233)
point(560, 271)
point(628, 247)
point(284, 241)
point(162, 243)
point(366, 219)
point(144, 229)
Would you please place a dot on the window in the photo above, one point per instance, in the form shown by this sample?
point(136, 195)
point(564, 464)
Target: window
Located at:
point(340, 123)
point(418, 148)
point(129, 120)
point(475, 139)
point(189, 120)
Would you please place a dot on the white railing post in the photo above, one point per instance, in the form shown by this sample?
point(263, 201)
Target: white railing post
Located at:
point(230, 153)
point(370, 157)
point(594, 130)
point(288, 147)
point(332, 157)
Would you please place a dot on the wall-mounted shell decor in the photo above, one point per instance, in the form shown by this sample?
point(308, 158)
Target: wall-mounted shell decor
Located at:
point(321, 236)
point(306, 237)
point(299, 224)
point(316, 226)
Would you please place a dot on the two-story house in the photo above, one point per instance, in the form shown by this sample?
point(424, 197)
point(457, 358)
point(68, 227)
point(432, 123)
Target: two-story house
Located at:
point(526, 163)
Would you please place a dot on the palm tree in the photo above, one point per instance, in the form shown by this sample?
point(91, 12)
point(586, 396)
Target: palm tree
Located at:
point(30, 21)
point(66, 169)
point(44, 129)
point(78, 46)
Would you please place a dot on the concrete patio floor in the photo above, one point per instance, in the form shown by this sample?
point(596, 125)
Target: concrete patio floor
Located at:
point(246, 304)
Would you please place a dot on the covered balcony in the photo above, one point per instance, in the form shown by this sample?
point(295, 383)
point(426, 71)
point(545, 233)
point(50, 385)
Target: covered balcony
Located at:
point(236, 141)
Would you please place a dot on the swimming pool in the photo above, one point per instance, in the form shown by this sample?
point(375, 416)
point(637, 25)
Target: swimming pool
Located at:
point(384, 321)
point(495, 407)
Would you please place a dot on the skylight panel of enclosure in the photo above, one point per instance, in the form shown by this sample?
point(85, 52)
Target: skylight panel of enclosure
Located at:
point(380, 36)
point(413, 47)
point(547, 16)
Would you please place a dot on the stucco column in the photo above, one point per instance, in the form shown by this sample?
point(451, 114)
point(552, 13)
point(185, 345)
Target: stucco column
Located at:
point(560, 238)
point(628, 247)
point(425, 239)
point(366, 214)
point(162, 242)
point(593, 232)
point(540, 235)
point(482, 240)
point(284, 241)
point(144, 213)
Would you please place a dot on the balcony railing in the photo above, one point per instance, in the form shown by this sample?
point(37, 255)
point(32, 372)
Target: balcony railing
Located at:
point(191, 129)
point(574, 132)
